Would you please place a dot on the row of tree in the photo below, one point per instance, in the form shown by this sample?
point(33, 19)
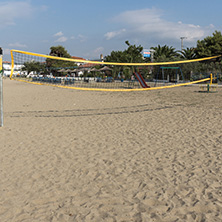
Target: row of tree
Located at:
point(209, 46)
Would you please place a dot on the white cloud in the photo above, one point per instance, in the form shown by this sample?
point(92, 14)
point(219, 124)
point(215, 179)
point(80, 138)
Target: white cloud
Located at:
point(98, 50)
point(61, 39)
point(94, 54)
point(58, 34)
point(61, 36)
point(10, 11)
point(82, 38)
point(150, 24)
point(110, 35)
point(17, 45)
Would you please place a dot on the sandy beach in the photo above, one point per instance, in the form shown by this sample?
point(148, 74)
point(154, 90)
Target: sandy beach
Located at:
point(70, 155)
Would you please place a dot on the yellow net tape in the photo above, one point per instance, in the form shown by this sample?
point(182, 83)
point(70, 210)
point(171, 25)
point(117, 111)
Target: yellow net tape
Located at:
point(0, 63)
point(114, 63)
point(116, 90)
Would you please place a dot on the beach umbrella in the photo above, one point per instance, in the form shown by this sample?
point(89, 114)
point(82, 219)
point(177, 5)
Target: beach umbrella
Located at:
point(105, 68)
point(84, 69)
point(94, 70)
point(75, 71)
point(62, 70)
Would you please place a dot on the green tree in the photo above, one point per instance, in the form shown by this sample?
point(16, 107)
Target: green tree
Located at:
point(33, 66)
point(54, 64)
point(165, 53)
point(188, 53)
point(209, 46)
point(59, 51)
point(133, 54)
point(116, 56)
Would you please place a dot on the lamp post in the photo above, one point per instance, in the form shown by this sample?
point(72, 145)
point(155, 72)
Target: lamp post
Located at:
point(182, 38)
point(151, 54)
point(101, 58)
point(152, 59)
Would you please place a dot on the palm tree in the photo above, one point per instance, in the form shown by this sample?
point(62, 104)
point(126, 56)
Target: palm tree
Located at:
point(188, 53)
point(164, 53)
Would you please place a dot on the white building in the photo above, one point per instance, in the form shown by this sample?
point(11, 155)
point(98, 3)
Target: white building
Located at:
point(7, 66)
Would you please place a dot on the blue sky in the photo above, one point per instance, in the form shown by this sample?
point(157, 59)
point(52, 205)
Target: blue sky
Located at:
point(92, 27)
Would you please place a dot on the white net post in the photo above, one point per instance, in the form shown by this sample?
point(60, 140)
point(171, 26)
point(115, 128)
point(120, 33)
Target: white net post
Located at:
point(1, 90)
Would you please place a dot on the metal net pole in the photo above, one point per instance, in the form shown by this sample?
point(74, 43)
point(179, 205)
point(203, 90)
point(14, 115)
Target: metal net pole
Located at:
point(1, 90)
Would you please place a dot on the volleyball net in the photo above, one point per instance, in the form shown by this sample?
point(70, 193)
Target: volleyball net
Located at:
point(84, 74)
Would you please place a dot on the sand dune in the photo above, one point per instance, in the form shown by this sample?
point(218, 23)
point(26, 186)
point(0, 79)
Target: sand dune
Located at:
point(69, 155)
